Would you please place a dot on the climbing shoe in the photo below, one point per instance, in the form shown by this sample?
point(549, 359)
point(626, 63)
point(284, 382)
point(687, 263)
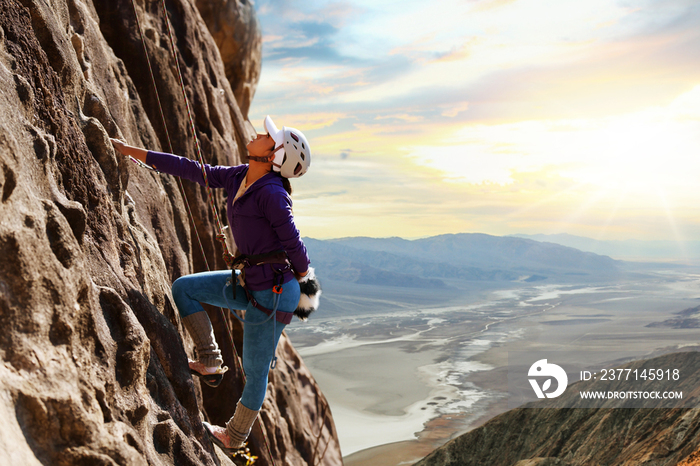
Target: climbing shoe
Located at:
point(241, 456)
point(212, 379)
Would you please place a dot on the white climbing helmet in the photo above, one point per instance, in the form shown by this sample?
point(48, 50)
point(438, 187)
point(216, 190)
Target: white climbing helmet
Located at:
point(292, 156)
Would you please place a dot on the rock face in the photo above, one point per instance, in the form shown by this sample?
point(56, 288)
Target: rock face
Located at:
point(235, 29)
point(93, 355)
point(555, 436)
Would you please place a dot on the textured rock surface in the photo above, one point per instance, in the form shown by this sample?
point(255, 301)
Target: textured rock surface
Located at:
point(235, 29)
point(93, 355)
point(553, 436)
point(692, 460)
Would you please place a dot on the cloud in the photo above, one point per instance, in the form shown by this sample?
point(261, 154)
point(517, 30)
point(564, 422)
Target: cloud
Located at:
point(452, 110)
point(492, 4)
point(319, 195)
point(412, 204)
point(458, 53)
point(609, 78)
point(298, 30)
point(487, 116)
point(304, 48)
point(405, 117)
point(633, 152)
point(654, 17)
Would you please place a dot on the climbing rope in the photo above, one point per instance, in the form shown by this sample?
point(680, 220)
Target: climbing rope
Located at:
point(167, 137)
point(318, 437)
point(228, 257)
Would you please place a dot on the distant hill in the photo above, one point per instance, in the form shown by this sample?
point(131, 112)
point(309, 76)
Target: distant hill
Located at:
point(470, 256)
point(687, 318)
point(555, 436)
point(627, 249)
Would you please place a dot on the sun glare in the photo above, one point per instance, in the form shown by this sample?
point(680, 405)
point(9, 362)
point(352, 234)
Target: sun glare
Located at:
point(637, 153)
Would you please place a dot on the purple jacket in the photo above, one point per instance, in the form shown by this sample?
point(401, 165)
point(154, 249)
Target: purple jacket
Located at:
point(261, 221)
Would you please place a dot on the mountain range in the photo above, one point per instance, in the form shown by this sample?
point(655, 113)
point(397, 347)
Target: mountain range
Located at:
point(437, 260)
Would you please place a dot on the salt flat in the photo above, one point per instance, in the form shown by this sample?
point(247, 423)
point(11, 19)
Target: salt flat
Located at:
point(413, 372)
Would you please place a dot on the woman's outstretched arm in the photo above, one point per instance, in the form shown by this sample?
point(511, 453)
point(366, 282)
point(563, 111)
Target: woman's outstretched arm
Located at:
point(178, 166)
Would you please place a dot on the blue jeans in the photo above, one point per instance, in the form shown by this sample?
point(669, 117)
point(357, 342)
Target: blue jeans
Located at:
point(258, 341)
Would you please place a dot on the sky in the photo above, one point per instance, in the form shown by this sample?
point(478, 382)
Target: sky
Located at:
point(490, 116)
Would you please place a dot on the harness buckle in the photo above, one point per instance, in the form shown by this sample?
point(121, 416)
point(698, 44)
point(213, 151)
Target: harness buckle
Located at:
point(277, 289)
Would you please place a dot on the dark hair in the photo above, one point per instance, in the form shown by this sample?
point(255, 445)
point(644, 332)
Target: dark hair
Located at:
point(287, 185)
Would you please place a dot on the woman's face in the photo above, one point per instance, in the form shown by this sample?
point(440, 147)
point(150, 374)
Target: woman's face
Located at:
point(261, 146)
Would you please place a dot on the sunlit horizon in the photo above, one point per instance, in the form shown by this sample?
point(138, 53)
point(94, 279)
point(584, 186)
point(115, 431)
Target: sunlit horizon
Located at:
point(500, 117)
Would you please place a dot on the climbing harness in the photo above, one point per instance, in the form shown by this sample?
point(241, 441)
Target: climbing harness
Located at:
point(249, 260)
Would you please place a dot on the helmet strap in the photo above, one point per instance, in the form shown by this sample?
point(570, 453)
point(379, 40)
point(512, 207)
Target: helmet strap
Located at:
point(281, 146)
point(267, 158)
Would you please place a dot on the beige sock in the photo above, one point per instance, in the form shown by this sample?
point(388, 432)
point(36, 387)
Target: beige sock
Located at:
point(239, 426)
point(199, 327)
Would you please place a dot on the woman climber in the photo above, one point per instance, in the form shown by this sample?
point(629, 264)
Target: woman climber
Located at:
point(270, 253)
